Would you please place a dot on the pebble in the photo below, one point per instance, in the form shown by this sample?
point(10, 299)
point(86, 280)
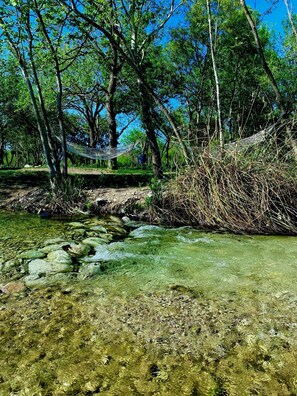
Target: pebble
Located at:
point(12, 287)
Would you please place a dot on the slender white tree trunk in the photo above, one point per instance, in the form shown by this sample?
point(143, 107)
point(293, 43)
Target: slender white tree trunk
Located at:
point(291, 19)
point(216, 77)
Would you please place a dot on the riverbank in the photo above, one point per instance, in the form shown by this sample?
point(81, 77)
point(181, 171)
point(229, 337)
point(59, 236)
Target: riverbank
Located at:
point(27, 190)
point(225, 195)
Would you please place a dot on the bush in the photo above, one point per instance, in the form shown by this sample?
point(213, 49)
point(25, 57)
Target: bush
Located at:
point(234, 193)
point(66, 195)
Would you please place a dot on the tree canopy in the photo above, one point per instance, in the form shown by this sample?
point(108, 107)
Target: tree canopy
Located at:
point(185, 72)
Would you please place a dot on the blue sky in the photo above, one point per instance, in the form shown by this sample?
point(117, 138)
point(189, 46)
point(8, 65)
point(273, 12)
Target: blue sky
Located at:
point(277, 14)
point(271, 14)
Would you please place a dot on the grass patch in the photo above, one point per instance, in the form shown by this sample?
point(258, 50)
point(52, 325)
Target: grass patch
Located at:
point(40, 178)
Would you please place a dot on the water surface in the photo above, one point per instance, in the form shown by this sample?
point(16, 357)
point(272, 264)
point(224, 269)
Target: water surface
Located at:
point(172, 312)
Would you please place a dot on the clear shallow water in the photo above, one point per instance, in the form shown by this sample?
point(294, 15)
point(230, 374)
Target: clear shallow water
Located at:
point(173, 312)
point(20, 231)
point(155, 257)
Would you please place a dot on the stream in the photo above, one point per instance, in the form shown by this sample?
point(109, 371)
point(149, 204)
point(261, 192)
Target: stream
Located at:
point(97, 306)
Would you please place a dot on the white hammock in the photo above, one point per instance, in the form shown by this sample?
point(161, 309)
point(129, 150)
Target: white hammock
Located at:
point(251, 140)
point(97, 154)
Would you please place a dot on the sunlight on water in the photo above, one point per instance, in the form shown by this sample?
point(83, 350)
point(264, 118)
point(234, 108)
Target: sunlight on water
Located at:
point(215, 263)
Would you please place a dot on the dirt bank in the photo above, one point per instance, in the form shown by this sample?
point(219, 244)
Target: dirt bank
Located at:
point(28, 196)
point(119, 201)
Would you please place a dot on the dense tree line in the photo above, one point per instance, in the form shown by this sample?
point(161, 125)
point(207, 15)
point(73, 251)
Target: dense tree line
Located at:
point(187, 72)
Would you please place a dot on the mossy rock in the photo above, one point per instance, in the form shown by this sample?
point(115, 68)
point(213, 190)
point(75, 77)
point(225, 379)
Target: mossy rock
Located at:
point(59, 257)
point(76, 224)
point(54, 241)
point(99, 229)
point(41, 267)
point(78, 250)
point(79, 232)
point(89, 270)
point(94, 241)
point(9, 266)
point(52, 248)
point(32, 254)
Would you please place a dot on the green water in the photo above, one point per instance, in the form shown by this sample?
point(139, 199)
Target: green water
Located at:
point(173, 312)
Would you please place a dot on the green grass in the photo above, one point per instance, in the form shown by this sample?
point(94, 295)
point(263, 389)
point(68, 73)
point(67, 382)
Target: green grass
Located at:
point(116, 179)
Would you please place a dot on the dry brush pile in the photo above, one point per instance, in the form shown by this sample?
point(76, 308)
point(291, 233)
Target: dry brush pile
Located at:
point(233, 192)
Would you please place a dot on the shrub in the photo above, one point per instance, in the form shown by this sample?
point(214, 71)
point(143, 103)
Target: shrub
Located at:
point(232, 192)
point(66, 195)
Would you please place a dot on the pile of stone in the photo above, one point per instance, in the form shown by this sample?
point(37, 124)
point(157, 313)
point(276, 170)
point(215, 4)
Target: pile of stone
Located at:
point(64, 258)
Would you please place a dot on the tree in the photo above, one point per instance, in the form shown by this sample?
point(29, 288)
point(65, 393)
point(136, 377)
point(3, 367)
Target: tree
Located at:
point(84, 94)
point(215, 72)
point(246, 99)
point(262, 57)
point(20, 41)
point(291, 19)
point(136, 25)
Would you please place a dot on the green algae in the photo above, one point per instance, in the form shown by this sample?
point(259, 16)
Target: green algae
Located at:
point(85, 340)
point(173, 312)
point(21, 232)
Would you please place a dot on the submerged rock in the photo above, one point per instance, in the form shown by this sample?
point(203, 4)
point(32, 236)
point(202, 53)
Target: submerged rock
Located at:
point(106, 237)
point(51, 279)
point(52, 248)
point(79, 250)
point(99, 228)
point(115, 220)
point(54, 241)
point(118, 230)
point(43, 267)
point(9, 266)
point(89, 270)
point(12, 287)
point(76, 224)
point(32, 254)
point(59, 257)
point(79, 232)
point(94, 241)
point(126, 219)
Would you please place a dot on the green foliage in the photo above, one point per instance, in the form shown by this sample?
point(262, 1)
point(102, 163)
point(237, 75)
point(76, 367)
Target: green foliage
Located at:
point(157, 187)
point(130, 42)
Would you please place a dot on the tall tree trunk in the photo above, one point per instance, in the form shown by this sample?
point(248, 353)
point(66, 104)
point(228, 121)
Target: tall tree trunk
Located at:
point(110, 110)
point(60, 115)
point(150, 132)
point(43, 111)
point(92, 134)
point(216, 77)
point(291, 19)
point(111, 89)
point(44, 137)
point(1, 152)
point(185, 149)
point(44, 117)
point(42, 133)
point(265, 65)
point(61, 121)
